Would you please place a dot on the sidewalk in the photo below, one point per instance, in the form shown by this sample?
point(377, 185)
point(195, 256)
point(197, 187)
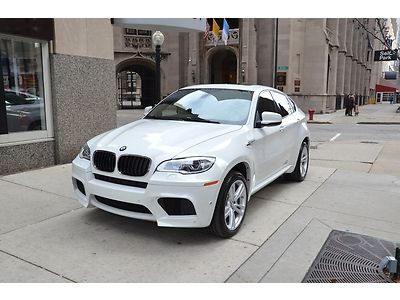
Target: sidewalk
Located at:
point(372, 113)
point(363, 154)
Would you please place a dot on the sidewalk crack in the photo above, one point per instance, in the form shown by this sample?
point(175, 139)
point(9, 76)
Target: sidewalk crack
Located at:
point(36, 265)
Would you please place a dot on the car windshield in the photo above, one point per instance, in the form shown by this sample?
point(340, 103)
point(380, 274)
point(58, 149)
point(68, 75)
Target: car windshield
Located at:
point(222, 106)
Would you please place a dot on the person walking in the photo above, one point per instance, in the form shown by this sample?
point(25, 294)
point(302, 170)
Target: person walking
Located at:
point(351, 104)
point(346, 105)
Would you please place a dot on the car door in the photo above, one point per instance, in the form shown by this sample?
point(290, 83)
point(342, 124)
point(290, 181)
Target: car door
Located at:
point(288, 127)
point(266, 144)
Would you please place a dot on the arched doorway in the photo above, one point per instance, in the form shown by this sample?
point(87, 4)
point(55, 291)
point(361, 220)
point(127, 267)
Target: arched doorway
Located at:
point(223, 67)
point(135, 83)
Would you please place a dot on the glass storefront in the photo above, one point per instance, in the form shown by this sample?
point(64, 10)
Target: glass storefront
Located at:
point(22, 90)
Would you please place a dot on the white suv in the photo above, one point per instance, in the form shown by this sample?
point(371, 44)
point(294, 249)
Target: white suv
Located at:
point(195, 159)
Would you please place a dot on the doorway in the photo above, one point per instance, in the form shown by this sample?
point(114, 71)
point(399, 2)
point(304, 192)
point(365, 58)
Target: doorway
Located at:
point(223, 67)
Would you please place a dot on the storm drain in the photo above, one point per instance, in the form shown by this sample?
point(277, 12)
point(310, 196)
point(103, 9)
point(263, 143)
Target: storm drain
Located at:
point(351, 258)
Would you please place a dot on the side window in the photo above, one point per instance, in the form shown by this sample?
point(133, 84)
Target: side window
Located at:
point(283, 103)
point(265, 103)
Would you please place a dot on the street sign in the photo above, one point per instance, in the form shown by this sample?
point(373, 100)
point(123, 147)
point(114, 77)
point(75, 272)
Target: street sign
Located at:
point(283, 68)
point(385, 55)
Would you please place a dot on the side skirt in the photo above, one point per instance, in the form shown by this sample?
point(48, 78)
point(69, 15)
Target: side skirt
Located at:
point(269, 180)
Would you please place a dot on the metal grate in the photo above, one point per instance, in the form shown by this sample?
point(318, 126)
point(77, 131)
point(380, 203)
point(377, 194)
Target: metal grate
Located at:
point(104, 161)
point(349, 257)
point(133, 165)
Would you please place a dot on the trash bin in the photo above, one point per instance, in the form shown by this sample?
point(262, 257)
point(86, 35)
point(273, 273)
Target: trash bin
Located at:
point(311, 112)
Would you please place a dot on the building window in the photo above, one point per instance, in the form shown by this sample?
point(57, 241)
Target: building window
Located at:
point(24, 91)
point(137, 32)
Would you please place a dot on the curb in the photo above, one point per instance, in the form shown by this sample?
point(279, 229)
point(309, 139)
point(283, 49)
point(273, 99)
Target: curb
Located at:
point(378, 123)
point(318, 122)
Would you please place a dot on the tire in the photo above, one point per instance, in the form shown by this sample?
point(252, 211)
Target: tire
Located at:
point(303, 161)
point(229, 212)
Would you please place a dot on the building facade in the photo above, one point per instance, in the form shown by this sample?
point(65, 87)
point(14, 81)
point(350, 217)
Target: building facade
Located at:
point(58, 86)
point(318, 62)
point(63, 79)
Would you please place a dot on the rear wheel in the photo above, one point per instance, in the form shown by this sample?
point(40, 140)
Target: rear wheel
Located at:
point(301, 169)
point(231, 206)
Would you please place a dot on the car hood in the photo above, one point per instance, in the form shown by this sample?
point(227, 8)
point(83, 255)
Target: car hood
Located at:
point(161, 139)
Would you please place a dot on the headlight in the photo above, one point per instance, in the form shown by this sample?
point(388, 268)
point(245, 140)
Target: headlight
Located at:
point(85, 152)
point(190, 165)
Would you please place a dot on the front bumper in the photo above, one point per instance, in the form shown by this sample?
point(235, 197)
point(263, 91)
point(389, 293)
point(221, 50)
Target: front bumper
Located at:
point(160, 185)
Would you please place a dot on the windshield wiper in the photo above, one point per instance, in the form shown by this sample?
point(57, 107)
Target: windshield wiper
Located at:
point(196, 119)
point(183, 118)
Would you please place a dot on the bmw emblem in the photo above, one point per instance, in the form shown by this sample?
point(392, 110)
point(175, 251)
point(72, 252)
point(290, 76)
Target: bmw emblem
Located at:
point(123, 148)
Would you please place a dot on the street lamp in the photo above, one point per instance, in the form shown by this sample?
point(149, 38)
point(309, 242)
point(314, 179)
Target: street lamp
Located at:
point(158, 40)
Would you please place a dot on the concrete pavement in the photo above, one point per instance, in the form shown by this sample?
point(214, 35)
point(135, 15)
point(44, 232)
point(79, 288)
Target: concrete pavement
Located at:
point(370, 155)
point(45, 236)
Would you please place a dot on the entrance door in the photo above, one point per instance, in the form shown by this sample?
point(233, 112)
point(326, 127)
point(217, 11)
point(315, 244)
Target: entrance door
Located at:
point(136, 86)
point(223, 67)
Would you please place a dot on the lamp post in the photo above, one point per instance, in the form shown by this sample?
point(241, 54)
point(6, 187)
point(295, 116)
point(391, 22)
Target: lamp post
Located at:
point(158, 40)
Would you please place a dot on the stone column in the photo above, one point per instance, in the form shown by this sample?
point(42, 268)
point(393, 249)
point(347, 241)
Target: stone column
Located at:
point(354, 69)
point(333, 28)
point(251, 67)
point(341, 61)
point(349, 55)
point(315, 70)
point(265, 29)
point(83, 83)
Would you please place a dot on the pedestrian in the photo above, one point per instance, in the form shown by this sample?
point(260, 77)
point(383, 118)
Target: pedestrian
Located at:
point(346, 105)
point(356, 110)
point(351, 103)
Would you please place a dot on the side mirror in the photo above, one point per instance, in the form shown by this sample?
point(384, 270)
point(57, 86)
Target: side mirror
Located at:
point(270, 119)
point(147, 109)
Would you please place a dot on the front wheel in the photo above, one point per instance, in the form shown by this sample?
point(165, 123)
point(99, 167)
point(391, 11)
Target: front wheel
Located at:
point(303, 160)
point(231, 206)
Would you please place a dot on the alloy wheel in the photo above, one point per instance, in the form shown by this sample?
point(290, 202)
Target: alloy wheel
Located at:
point(235, 204)
point(304, 161)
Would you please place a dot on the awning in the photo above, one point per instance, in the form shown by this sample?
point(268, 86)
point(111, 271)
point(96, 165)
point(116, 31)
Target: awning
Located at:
point(385, 89)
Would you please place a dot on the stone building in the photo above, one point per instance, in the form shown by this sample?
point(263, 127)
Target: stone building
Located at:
point(318, 62)
point(58, 85)
point(63, 79)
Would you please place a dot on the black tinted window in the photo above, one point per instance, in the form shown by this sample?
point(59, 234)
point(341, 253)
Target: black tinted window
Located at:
point(283, 103)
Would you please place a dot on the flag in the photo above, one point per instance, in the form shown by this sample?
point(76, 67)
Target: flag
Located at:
point(215, 30)
point(207, 31)
point(225, 32)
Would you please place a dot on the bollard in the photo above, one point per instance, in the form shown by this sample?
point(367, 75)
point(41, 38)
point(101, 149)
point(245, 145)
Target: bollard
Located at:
point(311, 112)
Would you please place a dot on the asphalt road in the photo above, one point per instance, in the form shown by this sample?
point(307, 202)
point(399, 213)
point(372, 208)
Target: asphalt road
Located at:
point(353, 132)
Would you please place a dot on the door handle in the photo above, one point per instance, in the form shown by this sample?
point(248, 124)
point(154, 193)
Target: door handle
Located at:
point(250, 142)
point(282, 128)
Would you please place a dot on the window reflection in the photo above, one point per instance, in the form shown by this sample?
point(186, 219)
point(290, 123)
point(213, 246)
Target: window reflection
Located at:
point(21, 67)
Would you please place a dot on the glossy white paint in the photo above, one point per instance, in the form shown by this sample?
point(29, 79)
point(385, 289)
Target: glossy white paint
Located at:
point(267, 153)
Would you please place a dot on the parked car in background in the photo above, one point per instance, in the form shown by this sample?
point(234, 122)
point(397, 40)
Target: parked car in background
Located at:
point(195, 159)
point(24, 111)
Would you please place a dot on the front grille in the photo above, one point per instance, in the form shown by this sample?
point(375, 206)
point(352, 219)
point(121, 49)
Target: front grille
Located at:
point(123, 205)
point(137, 184)
point(133, 165)
point(104, 161)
